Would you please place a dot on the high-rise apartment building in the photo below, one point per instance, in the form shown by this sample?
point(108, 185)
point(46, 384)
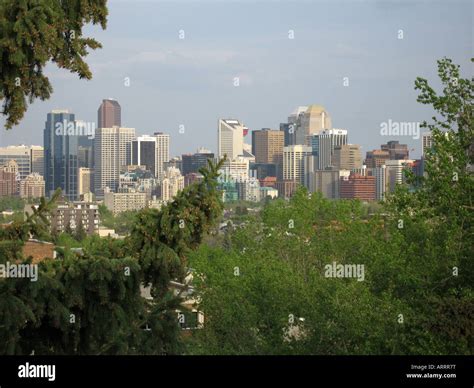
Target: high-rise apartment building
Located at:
point(230, 138)
point(112, 152)
point(60, 154)
point(109, 114)
point(73, 216)
point(347, 157)
point(293, 162)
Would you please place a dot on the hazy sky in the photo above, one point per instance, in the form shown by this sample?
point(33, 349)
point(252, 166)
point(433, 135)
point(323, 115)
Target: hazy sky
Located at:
point(190, 81)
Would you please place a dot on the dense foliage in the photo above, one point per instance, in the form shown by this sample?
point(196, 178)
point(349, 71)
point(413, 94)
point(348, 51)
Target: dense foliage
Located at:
point(91, 302)
point(416, 297)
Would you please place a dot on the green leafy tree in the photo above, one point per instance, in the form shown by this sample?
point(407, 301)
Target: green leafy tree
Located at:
point(416, 249)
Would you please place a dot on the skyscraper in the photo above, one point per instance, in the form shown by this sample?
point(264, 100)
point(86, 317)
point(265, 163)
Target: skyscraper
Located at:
point(37, 160)
point(327, 140)
point(347, 157)
point(289, 128)
point(381, 181)
point(267, 146)
point(60, 154)
point(109, 114)
point(395, 173)
point(293, 162)
point(144, 152)
point(326, 182)
point(191, 163)
point(376, 158)
point(162, 152)
point(112, 152)
point(230, 138)
point(315, 119)
point(396, 150)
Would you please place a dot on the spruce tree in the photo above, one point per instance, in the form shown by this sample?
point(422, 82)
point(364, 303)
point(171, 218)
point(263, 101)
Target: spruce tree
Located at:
point(34, 32)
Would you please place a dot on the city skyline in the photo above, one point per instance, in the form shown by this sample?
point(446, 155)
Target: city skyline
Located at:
point(190, 82)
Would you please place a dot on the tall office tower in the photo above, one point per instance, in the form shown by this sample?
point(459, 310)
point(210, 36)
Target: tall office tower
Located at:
point(357, 187)
point(109, 114)
point(315, 120)
point(85, 180)
point(191, 163)
point(326, 142)
point(326, 182)
point(230, 138)
point(376, 158)
point(347, 157)
point(310, 163)
point(293, 162)
point(381, 181)
point(32, 186)
point(19, 154)
point(112, 152)
point(267, 146)
point(37, 160)
point(289, 128)
point(426, 142)
point(396, 150)
point(162, 152)
point(60, 154)
point(144, 153)
point(395, 171)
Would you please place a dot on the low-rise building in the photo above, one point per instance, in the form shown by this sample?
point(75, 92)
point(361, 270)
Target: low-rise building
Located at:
point(121, 202)
point(33, 186)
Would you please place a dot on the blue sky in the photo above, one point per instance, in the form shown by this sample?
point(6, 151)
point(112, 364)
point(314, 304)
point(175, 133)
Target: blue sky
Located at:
point(189, 81)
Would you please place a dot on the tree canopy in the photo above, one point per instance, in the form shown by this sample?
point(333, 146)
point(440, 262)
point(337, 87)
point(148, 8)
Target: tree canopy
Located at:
point(34, 32)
